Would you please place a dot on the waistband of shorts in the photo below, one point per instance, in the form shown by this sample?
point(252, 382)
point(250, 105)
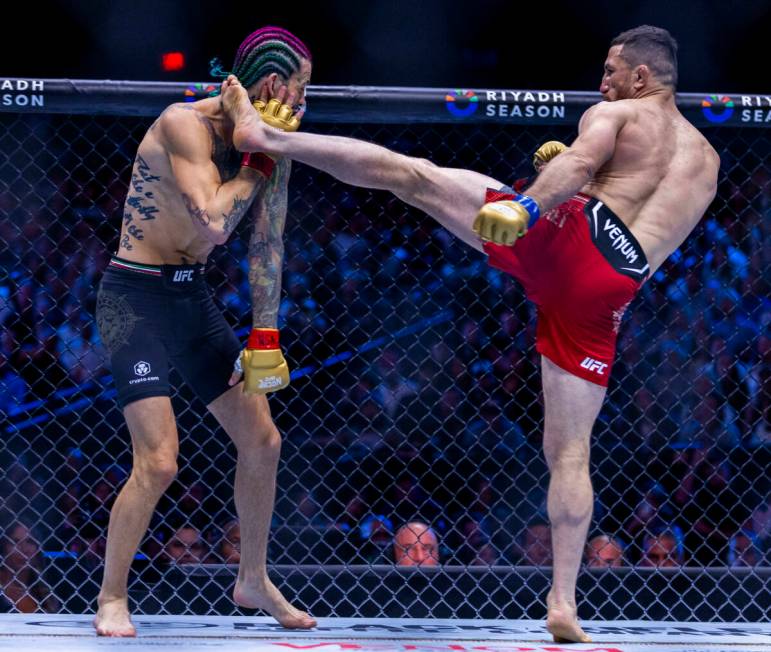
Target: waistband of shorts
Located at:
point(170, 277)
point(579, 198)
point(614, 239)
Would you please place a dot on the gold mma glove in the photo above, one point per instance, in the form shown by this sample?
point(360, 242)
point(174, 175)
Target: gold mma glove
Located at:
point(501, 222)
point(275, 114)
point(265, 369)
point(546, 153)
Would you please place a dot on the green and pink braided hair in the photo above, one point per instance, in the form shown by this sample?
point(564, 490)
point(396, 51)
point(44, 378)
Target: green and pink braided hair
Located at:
point(268, 50)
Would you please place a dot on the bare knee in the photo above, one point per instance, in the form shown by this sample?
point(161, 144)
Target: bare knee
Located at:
point(566, 452)
point(262, 443)
point(155, 471)
point(269, 439)
point(415, 174)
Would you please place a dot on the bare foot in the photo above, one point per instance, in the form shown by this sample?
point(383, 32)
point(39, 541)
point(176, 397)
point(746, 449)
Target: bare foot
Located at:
point(563, 625)
point(269, 598)
point(113, 619)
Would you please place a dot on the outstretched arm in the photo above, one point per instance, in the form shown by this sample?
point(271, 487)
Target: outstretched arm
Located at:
point(577, 165)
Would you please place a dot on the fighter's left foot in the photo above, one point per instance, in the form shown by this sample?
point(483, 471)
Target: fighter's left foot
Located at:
point(563, 625)
point(268, 598)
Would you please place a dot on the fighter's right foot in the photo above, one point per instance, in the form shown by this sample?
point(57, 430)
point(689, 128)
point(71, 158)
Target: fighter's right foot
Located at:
point(563, 625)
point(113, 619)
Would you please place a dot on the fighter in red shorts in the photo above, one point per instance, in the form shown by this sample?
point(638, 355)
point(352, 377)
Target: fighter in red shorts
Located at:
point(594, 267)
point(600, 218)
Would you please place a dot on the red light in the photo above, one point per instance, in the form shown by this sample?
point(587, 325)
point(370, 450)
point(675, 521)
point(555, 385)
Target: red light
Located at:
point(171, 61)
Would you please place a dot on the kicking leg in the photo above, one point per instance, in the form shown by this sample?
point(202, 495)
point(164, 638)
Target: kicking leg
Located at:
point(451, 196)
point(571, 408)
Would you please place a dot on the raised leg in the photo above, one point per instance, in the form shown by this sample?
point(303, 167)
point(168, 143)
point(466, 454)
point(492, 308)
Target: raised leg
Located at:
point(451, 196)
point(155, 444)
point(571, 408)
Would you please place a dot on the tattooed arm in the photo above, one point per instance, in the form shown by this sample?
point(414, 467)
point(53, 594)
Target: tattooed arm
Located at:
point(215, 208)
point(266, 248)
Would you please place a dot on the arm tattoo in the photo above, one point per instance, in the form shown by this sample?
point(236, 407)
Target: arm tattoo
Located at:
point(234, 215)
point(266, 248)
point(196, 214)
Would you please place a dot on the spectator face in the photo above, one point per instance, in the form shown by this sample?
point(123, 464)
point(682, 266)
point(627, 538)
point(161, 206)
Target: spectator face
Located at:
point(231, 544)
point(192, 499)
point(660, 552)
point(306, 505)
point(102, 492)
point(745, 552)
point(485, 557)
point(20, 548)
point(415, 544)
point(474, 534)
point(537, 549)
point(186, 547)
point(761, 521)
point(602, 552)
point(380, 533)
point(355, 508)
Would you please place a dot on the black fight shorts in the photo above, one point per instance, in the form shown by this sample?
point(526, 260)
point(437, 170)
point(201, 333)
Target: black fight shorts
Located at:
point(149, 317)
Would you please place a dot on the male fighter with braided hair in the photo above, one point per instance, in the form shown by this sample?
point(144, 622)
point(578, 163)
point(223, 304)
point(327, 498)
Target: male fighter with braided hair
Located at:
point(189, 190)
point(599, 219)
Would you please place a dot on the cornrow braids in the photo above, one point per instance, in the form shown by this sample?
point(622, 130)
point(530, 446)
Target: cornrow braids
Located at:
point(269, 50)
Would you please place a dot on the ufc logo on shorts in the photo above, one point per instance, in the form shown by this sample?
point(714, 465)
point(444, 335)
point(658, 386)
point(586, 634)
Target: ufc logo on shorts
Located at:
point(590, 364)
point(183, 275)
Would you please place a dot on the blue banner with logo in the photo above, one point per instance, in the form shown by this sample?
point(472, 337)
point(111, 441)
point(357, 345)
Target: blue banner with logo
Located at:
point(369, 104)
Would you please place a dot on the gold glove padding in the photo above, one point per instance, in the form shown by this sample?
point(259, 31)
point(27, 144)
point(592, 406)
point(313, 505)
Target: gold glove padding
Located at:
point(275, 114)
point(547, 152)
point(501, 222)
point(265, 370)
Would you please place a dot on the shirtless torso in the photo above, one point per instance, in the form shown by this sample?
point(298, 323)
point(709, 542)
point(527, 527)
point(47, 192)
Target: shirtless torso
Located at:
point(176, 211)
point(661, 177)
point(643, 159)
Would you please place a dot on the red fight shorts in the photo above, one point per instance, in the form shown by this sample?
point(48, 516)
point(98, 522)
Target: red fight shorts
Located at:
point(582, 267)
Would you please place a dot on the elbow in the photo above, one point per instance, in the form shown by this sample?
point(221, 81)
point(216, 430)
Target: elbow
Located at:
point(217, 236)
point(585, 166)
point(575, 165)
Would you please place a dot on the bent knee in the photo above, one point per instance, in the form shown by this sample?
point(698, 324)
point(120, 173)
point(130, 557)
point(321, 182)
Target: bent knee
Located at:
point(156, 471)
point(261, 441)
point(269, 438)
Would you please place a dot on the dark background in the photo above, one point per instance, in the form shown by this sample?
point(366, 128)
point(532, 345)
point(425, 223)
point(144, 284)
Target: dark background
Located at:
point(479, 43)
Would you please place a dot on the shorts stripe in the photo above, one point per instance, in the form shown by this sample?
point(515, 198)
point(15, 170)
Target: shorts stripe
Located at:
point(119, 263)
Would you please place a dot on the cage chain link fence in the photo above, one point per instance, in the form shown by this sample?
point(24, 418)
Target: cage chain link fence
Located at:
point(416, 397)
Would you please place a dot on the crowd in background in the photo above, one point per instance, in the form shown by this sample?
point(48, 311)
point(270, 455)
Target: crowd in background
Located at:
point(421, 447)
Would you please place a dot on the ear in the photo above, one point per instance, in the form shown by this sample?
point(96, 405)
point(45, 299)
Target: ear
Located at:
point(272, 84)
point(641, 75)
